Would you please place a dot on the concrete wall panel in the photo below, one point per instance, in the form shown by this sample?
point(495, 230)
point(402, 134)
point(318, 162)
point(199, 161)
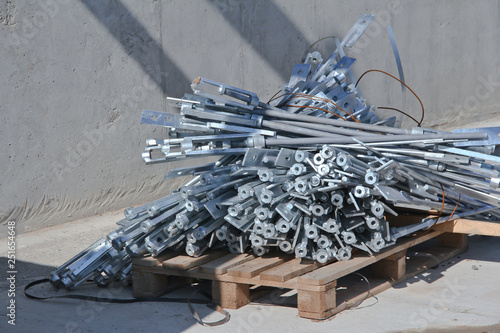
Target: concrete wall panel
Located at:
point(76, 75)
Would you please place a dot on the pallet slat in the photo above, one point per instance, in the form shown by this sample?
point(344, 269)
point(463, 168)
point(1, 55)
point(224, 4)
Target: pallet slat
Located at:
point(349, 297)
point(255, 267)
point(184, 262)
point(464, 226)
point(221, 265)
point(153, 261)
point(317, 298)
point(330, 273)
point(289, 270)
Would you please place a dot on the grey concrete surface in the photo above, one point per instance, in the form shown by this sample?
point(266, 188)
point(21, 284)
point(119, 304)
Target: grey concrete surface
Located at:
point(76, 75)
point(461, 295)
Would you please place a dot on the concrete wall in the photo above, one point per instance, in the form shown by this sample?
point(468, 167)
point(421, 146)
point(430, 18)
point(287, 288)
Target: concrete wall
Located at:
point(76, 75)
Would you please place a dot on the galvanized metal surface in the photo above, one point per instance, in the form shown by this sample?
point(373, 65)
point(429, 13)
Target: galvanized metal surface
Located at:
point(311, 172)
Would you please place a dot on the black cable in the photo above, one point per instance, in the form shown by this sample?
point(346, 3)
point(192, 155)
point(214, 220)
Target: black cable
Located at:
point(316, 42)
point(368, 293)
point(208, 301)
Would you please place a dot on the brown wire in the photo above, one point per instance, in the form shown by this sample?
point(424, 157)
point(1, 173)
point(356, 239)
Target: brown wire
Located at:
point(351, 115)
point(454, 209)
point(439, 215)
point(273, 97)
point(316, 42)
point(394, 109)
point(395, 78)
point(449, 217)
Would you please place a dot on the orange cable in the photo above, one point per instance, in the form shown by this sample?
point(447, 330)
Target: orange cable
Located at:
point(440, 213)
point(395, 78)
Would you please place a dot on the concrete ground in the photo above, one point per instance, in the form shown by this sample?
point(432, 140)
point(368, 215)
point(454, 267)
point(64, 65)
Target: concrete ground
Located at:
point(461, 295)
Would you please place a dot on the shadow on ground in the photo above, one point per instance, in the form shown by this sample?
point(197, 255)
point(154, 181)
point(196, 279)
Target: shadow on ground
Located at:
point(25, 272)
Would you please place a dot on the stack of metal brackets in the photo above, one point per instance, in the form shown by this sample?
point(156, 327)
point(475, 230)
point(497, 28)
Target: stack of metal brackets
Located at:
point(313, 173)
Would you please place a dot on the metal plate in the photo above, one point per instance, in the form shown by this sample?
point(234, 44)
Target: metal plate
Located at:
point(357, 30)
point(286, 158)
point(260, 157)
point(300, 73)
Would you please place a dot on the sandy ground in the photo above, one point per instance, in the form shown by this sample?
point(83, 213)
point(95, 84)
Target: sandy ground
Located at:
point(461, 295)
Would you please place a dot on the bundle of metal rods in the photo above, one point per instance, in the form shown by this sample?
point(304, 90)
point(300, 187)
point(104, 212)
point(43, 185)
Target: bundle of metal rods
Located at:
point(312, 172)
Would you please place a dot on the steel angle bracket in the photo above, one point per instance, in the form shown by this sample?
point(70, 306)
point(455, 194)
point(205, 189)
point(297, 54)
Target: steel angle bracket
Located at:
point(300, 73)
point(260, 157)
point(391, 194)
point(285, 158)
point(214, 207)
point(344, 64)
point(328, 64)
point(357, 30)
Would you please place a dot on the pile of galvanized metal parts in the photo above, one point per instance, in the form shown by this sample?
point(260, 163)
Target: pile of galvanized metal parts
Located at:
point(312, 173)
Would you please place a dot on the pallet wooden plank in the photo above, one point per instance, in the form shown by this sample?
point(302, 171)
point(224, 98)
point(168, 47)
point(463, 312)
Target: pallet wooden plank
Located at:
point(194, 273)
point(153, 261)
point(317, 302)
point(476, 227)
point(336, 270)
point(184, 262)
point(453, 240)
point(148, 284)
point(289, 269)
point(153, 285)
point(253, 268)
point(221, 265)
point(230, 295)
point(316, 296)
point(415, 265)
point(390, 268)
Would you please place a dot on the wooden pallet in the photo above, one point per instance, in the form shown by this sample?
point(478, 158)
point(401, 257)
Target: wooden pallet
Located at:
point(234, 276)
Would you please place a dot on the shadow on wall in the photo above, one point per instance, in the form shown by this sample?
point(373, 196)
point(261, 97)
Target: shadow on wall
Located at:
point(280, 48)
point(133, 36)
point(249, 19)
point(252, 21)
